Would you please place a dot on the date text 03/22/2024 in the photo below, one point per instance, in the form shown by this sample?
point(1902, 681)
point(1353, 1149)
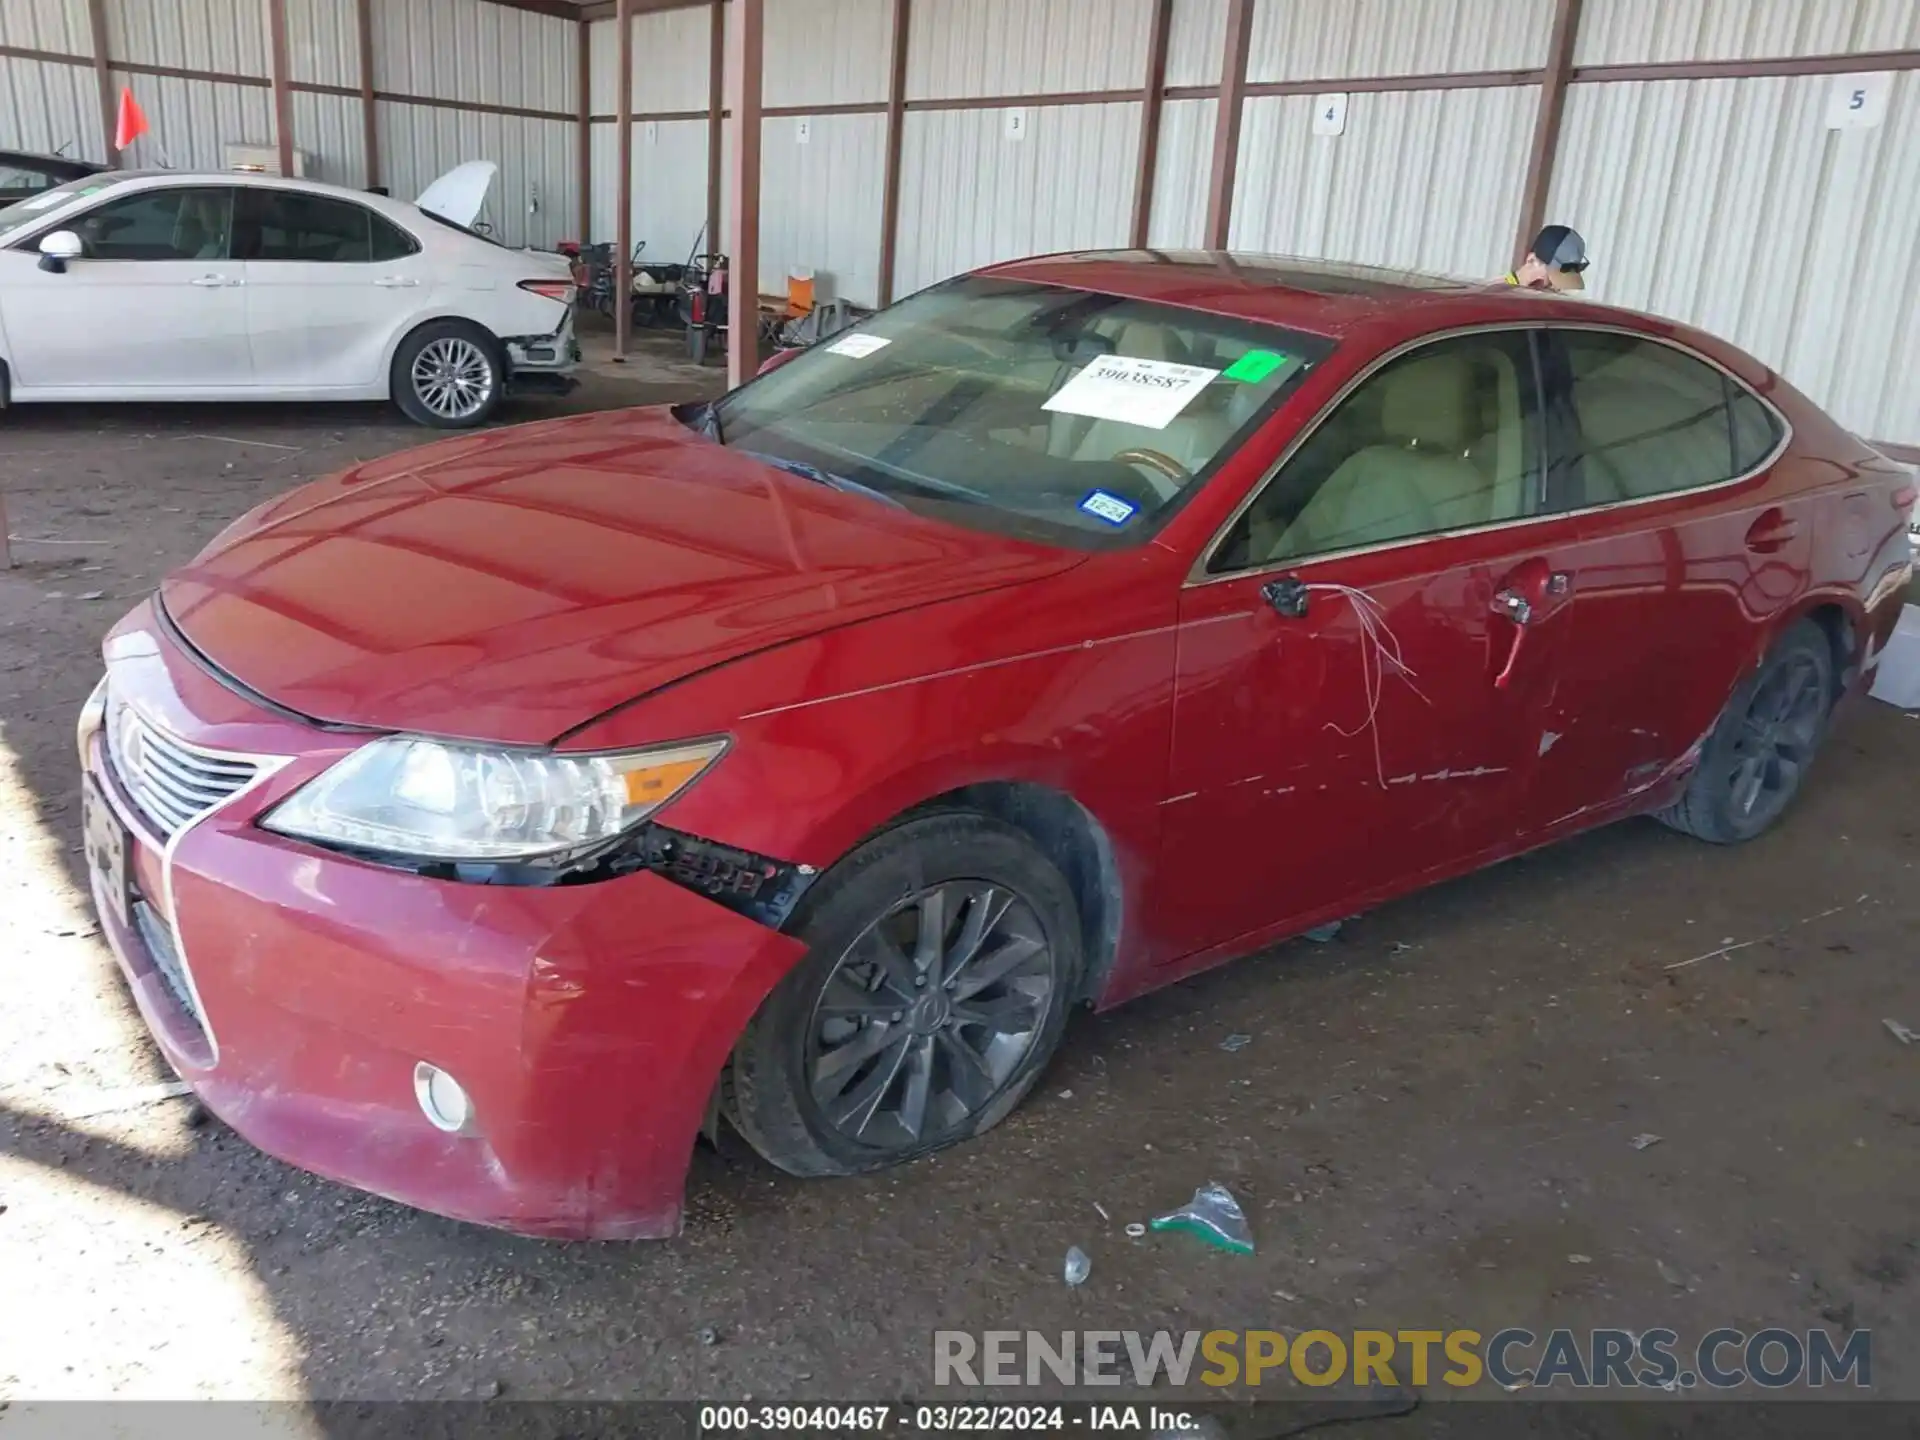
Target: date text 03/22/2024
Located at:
point(852, 1420)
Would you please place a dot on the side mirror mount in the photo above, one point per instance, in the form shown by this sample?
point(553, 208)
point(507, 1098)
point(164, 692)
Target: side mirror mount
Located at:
point(57, 249)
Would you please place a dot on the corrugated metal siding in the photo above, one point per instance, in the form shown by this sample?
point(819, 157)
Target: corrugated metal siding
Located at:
point(467, 50)
point(229, 36)
point(1356, 39)
point(1195, 42)
point(193, 121)
point(419, 143)
point(1627, 32)
point(56, 25)
point(828, 52)
point(669, 185)
point(820, 204)
point(970, 196)
point(1729, 204)
point(49, 108)
point(670, 61)
point(323, 42)
point(1026, 47)
point(330, 131)
point(1422, 179)
point(1183, 168)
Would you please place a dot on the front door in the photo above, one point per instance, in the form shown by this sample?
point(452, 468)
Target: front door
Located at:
point(153, 305)
point(329, 283)
point(1368, 660)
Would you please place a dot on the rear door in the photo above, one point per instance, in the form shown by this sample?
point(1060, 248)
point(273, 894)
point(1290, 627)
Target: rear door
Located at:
point(329, 284)
point(1368, 660)
point(1687, 555)
point(154, 305)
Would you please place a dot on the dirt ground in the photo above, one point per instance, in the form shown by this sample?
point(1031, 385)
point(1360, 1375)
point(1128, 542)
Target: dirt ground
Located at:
point(1436, 1113)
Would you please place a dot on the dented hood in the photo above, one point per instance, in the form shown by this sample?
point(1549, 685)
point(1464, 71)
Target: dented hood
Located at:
point(513, 585)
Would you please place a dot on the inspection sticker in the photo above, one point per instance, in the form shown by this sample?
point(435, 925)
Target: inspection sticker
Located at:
point(858, 346)
point(1147, 393)
point(1256, 365)
point(1110, 508)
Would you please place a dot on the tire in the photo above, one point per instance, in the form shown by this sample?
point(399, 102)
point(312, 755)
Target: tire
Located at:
point(449, 374)
point(820, 1093)
point(1756, 759)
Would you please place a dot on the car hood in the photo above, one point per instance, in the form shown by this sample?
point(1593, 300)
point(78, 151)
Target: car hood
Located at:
point(514, 585)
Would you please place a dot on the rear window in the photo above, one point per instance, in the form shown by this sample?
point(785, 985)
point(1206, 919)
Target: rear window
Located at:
point(1058, 414)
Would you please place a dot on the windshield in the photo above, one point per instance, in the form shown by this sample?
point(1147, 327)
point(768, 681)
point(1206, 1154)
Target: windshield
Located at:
point(25, 212)
point(1061, 415)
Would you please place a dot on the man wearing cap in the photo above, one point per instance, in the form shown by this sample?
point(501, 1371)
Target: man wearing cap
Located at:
point(1556, 261)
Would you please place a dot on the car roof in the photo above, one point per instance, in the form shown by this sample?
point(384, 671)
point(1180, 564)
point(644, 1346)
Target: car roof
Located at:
point(1323, 297)
point(72, 164)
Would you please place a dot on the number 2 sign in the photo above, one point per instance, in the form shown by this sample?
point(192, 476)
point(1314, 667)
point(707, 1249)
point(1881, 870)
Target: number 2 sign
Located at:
point(1859, 102)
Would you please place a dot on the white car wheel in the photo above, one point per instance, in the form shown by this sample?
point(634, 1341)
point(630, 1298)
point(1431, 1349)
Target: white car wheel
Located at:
point(448, 375)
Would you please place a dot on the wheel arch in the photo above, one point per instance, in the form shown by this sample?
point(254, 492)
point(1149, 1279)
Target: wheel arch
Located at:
point(406, 332)
point(1842, 620)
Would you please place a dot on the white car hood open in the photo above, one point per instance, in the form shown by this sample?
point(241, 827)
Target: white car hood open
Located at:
point(459, 194)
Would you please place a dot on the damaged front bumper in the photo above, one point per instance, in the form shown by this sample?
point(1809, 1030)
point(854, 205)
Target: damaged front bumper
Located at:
point(300, 992)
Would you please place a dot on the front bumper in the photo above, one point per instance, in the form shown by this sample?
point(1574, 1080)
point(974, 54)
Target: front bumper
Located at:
point(588, 1023)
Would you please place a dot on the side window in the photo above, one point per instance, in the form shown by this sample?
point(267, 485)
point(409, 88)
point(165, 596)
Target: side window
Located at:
point(21, 180)
point(1443, 438)
point(179, 224)
point(390, 242)
point(293, 225)
point(1652, 420)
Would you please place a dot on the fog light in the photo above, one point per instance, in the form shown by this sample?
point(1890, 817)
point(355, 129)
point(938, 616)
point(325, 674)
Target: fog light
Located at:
point(441, 1099)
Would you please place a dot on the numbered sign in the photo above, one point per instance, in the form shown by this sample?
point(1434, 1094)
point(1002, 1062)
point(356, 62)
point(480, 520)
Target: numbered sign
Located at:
point(803, 131)
point(1330, 114)
point(1859, 102)
point(1016, 124)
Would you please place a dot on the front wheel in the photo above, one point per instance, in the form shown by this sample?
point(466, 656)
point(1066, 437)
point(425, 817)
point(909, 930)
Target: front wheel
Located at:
point(943, 958)
point(449, 374)
point(1756, 759)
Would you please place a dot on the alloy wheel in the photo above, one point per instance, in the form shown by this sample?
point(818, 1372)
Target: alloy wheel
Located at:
point(453, 378)
point(1776, 740)
point(928, 1015)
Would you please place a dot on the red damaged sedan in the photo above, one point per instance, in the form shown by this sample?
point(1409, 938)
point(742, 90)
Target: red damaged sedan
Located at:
point(478, 825)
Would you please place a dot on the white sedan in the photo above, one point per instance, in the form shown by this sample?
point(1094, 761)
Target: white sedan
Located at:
point(158, 285)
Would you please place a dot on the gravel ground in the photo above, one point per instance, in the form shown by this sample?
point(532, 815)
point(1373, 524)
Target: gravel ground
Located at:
point(1434, 1114)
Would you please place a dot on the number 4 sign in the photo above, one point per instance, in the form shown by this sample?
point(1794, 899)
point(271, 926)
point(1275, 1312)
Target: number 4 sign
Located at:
point(1330, 114)
point(1859, 102)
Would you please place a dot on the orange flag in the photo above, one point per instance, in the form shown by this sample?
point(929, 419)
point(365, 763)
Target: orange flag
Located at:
point(133, 120)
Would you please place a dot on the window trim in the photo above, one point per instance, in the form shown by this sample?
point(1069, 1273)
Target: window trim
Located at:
point(1199, 576)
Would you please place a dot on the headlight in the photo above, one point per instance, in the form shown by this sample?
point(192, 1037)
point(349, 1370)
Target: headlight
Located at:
point(433, 800)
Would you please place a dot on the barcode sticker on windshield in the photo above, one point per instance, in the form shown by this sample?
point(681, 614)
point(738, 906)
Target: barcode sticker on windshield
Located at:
point(858, 346)
point(1147, 393)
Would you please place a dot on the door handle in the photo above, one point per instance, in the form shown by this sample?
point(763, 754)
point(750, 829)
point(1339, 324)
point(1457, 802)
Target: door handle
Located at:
point(1774, 530)
point(395, 282)
point(1515, 606)
point(212, 282)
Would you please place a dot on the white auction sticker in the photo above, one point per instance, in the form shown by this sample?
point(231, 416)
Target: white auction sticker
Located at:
point(858, 346)
point(1147, 393)
point(41, 202)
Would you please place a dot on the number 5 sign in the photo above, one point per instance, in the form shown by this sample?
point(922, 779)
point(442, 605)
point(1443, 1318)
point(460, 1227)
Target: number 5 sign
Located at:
point(1859, 102)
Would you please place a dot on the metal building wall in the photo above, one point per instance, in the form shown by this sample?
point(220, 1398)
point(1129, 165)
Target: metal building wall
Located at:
point(671, 56)
point(1195, 40)
point(1796, 242)
point(829, 52)
point(1181, 171)
point(1363, 39)
point(45, 105)
point(972, 48)
point(469, 50)
point(532, 202)
point(1421, 180)
point(970, 194)
point(1627, 32)
point(229, 36)
point(191, 122)
point(820, 203)
point(323, 48)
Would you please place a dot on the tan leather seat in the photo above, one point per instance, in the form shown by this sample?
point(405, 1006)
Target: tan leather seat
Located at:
point(1415, 480)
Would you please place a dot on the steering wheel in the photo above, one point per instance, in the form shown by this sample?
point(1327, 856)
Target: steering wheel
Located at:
point(1166, 475)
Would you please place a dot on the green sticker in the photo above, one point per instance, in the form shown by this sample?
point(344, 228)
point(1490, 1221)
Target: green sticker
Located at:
point(1256, 365)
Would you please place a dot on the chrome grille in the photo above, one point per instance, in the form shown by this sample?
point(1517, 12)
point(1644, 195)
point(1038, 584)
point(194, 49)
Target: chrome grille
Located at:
point(172, 782)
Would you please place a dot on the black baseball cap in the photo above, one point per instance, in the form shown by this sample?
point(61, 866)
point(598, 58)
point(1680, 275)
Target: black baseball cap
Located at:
point(1560, 249)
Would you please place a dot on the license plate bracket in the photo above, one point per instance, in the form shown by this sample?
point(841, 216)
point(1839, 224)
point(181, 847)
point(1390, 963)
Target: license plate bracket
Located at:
point(105, 841)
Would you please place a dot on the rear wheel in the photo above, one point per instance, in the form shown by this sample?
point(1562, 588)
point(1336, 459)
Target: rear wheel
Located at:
point(449, 374)
point(944, 956)
point(1757, 757)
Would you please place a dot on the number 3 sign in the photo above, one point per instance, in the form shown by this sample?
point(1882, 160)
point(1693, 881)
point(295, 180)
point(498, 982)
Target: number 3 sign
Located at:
point(1858, 102)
